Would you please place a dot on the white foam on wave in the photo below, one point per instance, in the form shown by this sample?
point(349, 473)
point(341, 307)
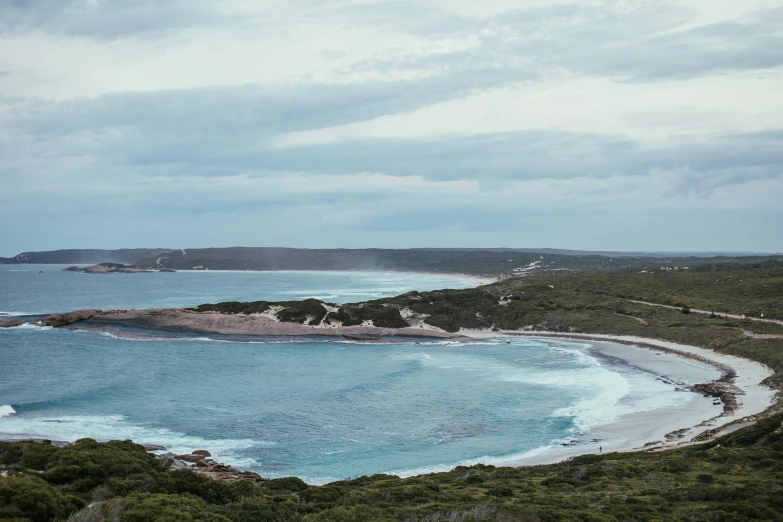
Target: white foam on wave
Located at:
point(31, 326)
point(6, 410)
point(187, 339)
point(486, 459)
point(158, 339)
point(605, 394)
point(116, 427)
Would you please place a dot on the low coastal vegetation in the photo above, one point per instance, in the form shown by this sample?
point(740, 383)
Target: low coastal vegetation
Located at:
point(466, 261)
point(314, 312)
point(737, 477)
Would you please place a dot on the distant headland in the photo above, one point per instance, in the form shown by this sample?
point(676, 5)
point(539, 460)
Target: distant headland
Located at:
point(477, 261)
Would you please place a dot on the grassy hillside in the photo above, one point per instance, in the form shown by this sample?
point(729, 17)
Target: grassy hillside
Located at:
point(738, 477)
point(417, 260)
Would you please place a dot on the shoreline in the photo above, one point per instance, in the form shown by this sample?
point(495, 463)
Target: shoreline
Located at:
point(661, 429)
point(656, 430)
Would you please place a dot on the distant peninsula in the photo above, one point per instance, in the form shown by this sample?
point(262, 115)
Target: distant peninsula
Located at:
point(492, 262)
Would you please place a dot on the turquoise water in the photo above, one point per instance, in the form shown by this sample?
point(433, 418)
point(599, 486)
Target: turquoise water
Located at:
point(319, 410)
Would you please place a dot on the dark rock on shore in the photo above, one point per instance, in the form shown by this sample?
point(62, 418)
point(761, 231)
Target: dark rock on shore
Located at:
point(199, 461)
point(10, 323)
point(190, 458)
point(59, 320)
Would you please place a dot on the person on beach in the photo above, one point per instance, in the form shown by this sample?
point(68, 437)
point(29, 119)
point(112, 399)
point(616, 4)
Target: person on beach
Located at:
point(600, 450)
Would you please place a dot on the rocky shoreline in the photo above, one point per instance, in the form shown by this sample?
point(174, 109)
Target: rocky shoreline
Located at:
point(143, 323)
point(201, 462)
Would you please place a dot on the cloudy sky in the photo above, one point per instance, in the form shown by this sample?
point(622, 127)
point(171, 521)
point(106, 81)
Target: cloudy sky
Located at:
point(626, 125)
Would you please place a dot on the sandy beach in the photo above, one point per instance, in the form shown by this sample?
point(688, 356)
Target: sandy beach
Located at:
point(663, 428)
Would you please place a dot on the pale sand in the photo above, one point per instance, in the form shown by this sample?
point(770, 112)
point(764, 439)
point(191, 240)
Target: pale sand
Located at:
point(680, 363)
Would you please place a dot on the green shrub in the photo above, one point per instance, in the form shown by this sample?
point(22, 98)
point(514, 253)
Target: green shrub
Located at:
point(165, 508)
point(32, 498)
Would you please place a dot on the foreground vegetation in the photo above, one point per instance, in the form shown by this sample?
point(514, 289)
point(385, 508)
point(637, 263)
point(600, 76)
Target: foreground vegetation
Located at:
point(735, 478)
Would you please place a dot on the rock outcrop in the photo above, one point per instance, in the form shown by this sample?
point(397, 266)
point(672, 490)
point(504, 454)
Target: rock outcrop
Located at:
point(68, 318)
point(199, 461)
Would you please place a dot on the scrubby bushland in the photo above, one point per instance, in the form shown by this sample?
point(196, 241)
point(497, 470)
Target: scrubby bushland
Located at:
point(234, 307)
point(310, 311)
point(735, 478)
point(313, 312)
point(381, 315)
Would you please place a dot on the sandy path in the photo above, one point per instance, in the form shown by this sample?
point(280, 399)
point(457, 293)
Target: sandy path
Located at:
point(761, 336)
point(719, 314)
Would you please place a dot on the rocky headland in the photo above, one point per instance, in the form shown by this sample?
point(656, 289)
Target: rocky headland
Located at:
point(142, 323)
point(113, 268)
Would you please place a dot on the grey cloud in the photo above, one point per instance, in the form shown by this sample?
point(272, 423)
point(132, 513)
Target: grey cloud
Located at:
point(215, 128)
point(537, 154)
point(270, 110)
point(724, 46)
point(634, 46)
point(109, 19)
point(408, 16)
point(226, 131)
point(437, 217)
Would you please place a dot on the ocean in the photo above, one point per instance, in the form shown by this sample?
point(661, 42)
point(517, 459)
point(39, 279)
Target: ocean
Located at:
point(318, 410)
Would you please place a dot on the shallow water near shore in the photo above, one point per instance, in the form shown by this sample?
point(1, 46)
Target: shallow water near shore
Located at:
point(319, 410)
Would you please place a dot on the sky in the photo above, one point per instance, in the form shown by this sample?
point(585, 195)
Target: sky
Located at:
point(599, 125)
